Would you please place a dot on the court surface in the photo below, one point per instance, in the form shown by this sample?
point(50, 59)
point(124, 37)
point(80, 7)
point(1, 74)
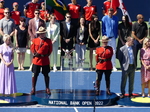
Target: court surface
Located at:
point(72, 80)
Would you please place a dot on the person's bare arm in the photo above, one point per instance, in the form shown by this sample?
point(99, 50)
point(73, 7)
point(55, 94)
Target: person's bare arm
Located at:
point(24, 11)
point(1, 32)
point(16, 40)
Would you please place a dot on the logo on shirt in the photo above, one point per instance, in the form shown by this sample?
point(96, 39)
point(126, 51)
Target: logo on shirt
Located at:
point(17, 13)
point(77, 7)
point(92, 8)
point(87, 10)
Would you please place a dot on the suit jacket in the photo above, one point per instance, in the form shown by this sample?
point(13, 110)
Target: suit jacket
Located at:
point(65, 34)
point(32, 27)
point(56, 33)
point(124, 59)
point(86, 32)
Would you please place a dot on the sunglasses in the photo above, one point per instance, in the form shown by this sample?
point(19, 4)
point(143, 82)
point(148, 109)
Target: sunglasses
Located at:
point(141, 18)
point(6, 12)
point(36, 13)
point(68, 16)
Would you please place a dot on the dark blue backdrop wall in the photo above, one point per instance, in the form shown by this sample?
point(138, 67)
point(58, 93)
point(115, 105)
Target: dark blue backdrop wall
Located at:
point(134, 7)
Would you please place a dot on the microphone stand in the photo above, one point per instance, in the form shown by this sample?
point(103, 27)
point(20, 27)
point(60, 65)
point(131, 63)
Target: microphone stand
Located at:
point(94, 95)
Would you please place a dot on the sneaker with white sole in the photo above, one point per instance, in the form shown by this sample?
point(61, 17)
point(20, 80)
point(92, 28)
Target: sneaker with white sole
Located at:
point(54, 69)
point(114, 69)
point(81, 69)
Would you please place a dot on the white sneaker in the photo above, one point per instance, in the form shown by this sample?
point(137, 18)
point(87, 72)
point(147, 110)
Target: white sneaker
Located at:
point(61, 69)
point(78, 69)
point(81, 69)
point(114, 69)
point(30, 67)
point(54, 69)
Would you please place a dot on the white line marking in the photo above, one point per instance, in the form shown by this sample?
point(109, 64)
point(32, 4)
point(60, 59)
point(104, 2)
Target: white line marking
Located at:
point(75, 109)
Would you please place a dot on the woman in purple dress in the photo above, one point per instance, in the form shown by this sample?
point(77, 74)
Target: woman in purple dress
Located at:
point(7, 76)
point(145, 68)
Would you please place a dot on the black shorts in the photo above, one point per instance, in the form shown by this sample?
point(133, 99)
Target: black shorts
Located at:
point(37, 68)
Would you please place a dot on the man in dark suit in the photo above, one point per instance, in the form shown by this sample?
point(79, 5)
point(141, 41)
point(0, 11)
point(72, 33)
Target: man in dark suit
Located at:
point(67, 32)
point(34, 25)
point(128, 65)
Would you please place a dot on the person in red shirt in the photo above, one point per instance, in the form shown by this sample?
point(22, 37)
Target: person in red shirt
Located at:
point(75, 11)
point(29, 9)
point(41, 49)
point(89, 10)
point(1, 9)
point(44, 13)
point(15, 14)
point(104, 64)
point(106, 6)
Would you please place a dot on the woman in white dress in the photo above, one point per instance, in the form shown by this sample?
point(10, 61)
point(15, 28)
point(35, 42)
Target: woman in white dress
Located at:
point(53, 31)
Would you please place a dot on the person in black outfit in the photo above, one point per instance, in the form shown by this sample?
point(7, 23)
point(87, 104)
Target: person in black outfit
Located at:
point(67, 32)
point(81, 41)
point(94, 33)
point(21, 40)
point(139, 32)
point(124, 31)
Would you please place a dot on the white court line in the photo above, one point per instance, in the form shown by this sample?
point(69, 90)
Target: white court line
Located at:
point(75, 109)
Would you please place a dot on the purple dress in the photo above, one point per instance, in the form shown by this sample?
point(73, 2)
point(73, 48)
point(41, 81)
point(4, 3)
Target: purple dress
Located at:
point(7, 75)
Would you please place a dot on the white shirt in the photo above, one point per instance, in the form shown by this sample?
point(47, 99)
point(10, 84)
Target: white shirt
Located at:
point(130, 52)
point(37, 23)
point(68, 25)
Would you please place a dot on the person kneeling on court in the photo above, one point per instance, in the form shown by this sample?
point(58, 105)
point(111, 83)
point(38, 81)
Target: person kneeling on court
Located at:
point(104, 64)
point(41, 49)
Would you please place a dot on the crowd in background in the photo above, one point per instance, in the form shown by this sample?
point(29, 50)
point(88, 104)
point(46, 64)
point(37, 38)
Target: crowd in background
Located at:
point(78, 29)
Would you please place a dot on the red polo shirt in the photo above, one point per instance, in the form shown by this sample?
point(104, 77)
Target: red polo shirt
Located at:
point(44, 14)
point(15, 15)
point(42, 47)
point(104, 53)
point(107, 5)
point(30, 7)
point(89, 11)
point(74, 10)
point(1, 13)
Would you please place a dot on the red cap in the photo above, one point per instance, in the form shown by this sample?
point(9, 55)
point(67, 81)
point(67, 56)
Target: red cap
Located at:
point(15, 3)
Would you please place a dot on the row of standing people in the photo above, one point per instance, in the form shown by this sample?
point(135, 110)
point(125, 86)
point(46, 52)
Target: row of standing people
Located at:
point(126, 56)
point(103, 59)
point(73, 8)
point(29, 14)
point(109, 28)
point(138, 33)
point(41, 47)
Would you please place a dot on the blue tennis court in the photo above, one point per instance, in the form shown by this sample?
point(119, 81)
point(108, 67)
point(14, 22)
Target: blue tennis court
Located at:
point(71, 80)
